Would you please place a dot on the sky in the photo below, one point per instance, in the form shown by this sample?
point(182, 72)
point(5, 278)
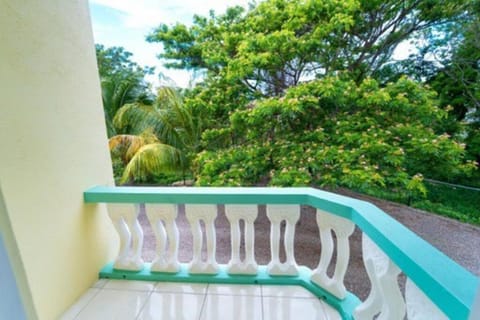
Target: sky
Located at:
point(125, 23)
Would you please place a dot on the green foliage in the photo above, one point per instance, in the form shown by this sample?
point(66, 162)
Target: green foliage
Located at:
point(240, 167)
point(459, 81)
point(246, 55)
point(337, 133)
point(163, 138)
point(151, 159)
point(169, 119)
point(457, 203)
point(453, 202)
point(360, 124)
point(276, 43)
point(122, 81)
point(447, 59)
point(138, 158)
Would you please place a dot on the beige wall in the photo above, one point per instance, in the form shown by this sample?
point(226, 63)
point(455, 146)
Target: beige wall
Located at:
point(53, 146)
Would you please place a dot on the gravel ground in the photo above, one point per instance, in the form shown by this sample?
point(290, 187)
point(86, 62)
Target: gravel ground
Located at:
point(459, 241)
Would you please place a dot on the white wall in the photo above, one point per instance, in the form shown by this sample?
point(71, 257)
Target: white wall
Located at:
point(53, 146)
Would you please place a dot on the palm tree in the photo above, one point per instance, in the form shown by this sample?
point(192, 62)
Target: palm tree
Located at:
point(118, 92)
point(161, 138)
point(122, 81)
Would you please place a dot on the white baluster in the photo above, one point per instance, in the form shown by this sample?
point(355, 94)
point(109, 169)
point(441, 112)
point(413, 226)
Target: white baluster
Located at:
point(247, 213)
point(195, 213)
point(343, 228)
point(162, 219)
point(419, 306)
point(125, 220)
point(385, 297)
point(276, 214)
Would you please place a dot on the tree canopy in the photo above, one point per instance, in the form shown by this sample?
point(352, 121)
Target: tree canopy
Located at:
point(336, 132)
point(279, 43)
point(306, 92)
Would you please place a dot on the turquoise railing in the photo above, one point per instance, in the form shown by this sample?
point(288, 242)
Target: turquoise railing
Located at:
point(436, 285)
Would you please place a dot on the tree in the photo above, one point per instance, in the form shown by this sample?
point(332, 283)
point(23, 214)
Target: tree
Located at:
point(270, 118)
point(122, 81)
point(279, 43)
point(459, 80)
point(335, 132)
point(162, 137)
point(136, 158)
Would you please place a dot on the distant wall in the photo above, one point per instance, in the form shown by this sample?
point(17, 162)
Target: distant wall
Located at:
point(53, 146)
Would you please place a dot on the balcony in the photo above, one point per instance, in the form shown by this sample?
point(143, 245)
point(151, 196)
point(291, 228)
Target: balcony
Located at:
point(52, 244)
point(435, 287)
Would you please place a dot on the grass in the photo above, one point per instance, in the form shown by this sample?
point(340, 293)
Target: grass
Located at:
point(457, 203)
point(453, 202)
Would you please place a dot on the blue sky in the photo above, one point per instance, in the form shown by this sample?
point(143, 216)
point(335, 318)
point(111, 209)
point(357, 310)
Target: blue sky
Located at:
point(125, 23)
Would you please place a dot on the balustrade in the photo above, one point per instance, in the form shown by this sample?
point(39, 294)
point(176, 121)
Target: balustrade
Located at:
point(385, 254)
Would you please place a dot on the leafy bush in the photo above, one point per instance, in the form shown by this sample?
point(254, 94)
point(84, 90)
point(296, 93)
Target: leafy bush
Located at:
point(334, 132)
point(231, 167)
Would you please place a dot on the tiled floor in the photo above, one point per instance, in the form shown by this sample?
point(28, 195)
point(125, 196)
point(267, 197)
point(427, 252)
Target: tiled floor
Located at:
point(121, 299)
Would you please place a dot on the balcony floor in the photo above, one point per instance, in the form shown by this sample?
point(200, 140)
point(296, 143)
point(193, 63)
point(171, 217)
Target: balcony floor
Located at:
point(121, 299)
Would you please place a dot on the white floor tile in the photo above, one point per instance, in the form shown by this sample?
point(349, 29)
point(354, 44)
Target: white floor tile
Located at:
point(234, 290)
point(330, 312)
point(121, 299)
point(196, 288)
point(130, 285)
point(286, 291)
point(75, 309)
point(100, 283)
point(167, 306)
point(220, 307)
point(286, 309)
point(114, 304)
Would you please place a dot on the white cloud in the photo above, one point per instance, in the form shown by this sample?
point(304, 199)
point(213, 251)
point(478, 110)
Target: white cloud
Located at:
point(137, 18)
point(149, 13)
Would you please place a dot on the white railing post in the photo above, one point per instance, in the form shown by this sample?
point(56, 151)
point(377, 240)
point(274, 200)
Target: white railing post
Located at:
point(125, 221)
point(385, 297)
point(162, 219)
point(276, 214)
point(206, 213)
point(247, 213)
point(343, 228)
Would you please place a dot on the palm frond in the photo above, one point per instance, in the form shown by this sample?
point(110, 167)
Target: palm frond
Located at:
point(116, 93)
point(167, 97)
point(129, 144)
point(154, 158)
point(134, 118)
point(179, 116)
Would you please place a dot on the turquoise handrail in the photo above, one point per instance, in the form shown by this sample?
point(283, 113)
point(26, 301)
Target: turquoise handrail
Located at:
point(451, 287)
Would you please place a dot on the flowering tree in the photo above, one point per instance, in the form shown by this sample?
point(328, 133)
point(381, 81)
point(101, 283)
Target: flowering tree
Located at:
point(337, 132)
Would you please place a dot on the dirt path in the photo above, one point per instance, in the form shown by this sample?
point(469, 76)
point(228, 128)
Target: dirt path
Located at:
point(459, 241)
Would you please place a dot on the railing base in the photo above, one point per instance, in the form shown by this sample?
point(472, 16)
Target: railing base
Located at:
point(345, 306)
